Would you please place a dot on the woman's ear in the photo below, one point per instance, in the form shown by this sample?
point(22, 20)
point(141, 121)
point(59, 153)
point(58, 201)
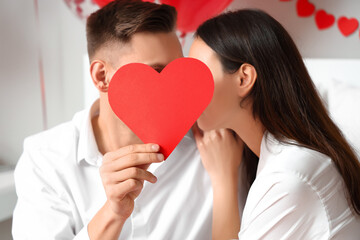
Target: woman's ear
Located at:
point(246, 78)
point(98, 72)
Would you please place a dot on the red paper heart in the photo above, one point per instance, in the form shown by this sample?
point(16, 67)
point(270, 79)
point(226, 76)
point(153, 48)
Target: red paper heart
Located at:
point(161, 107)
point(324, 20)
point(347, 26)
point(305, 8)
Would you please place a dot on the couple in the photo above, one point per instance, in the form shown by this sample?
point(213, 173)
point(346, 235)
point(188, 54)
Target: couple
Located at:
point(264, 160)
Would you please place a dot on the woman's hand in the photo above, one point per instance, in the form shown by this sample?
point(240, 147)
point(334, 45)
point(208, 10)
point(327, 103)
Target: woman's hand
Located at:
point(221, 152)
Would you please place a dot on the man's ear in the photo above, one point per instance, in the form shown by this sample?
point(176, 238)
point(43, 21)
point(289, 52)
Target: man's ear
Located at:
point(246, 78)
point(98, 72)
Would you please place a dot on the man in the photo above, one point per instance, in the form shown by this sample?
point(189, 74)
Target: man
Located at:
point(92, 177)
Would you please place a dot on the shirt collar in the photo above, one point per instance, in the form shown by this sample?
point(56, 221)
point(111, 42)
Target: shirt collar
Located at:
point(87, 148)
point(270, 149)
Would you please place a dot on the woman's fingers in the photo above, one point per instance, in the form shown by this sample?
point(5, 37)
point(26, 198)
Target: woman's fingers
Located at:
point(198, 134)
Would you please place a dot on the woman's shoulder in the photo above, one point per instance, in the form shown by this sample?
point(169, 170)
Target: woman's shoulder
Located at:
point(296, 183)
point(284, 204)
point(280, 162)
point(291, 158)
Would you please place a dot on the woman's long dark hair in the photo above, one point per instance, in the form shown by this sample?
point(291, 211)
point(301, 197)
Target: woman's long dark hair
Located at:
point(284, 96)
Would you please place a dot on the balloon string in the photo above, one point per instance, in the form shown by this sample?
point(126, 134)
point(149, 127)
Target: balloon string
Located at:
point(41, 69)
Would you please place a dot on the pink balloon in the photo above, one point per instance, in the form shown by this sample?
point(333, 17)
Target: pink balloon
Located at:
point(82, 8)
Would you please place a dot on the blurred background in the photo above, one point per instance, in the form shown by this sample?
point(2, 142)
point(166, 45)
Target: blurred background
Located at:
point(44, 67)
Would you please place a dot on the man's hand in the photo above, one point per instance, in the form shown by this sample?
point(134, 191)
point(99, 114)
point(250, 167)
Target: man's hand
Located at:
point(123, 173)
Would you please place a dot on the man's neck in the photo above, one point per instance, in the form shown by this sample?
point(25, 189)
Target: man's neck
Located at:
point(111, 133)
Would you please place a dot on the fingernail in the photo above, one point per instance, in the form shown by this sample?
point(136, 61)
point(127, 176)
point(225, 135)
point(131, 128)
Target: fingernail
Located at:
point(155, 147)
point(154, 179)
point(160, 157)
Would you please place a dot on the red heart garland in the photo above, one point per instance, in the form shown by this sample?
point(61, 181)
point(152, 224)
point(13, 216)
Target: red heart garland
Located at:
point(161, 107)
point(347, 26)
point(304, 8)
point(324, 20)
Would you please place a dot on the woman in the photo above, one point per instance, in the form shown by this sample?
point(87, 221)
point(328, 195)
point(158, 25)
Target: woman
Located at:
point(304, 176)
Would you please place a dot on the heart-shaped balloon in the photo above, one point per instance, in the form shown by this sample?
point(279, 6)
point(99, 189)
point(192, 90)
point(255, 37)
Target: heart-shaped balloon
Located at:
point(161, 107)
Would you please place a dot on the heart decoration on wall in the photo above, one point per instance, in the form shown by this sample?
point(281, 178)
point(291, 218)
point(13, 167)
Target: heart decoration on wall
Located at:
point(325, 20)
point(305, 8)
point(347, 26)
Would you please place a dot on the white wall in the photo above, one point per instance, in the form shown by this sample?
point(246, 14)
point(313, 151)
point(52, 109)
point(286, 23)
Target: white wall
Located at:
point(63, 45)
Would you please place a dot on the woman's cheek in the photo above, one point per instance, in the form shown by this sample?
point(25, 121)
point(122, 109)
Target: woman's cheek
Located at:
point(211, 116)
point(208, 119)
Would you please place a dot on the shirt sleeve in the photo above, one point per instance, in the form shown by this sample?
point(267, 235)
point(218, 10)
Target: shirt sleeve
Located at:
point(41, 212)
point(283, 206)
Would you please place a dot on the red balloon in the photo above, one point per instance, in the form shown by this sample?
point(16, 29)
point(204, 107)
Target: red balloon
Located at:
point(192, 13)
point(102, 3)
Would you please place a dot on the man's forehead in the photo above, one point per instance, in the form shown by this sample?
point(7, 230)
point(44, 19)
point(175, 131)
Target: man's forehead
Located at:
point(153, 49)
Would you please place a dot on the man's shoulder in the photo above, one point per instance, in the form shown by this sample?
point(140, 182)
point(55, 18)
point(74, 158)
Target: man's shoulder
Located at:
point(56, 141)
point(49, 155)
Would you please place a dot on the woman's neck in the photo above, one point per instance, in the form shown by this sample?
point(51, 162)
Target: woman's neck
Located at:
point(250, 130)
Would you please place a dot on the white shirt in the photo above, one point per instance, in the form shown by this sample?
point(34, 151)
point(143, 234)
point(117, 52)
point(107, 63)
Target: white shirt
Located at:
point(60, 190)
point(297, 194)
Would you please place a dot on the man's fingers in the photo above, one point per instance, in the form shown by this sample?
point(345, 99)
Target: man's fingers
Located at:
point(135, 148)
point(145, 166)
point(130, 173)
point(135, 159)
point(120, 190)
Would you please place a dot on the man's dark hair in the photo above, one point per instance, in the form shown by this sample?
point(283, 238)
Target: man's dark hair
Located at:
point(119, 20)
